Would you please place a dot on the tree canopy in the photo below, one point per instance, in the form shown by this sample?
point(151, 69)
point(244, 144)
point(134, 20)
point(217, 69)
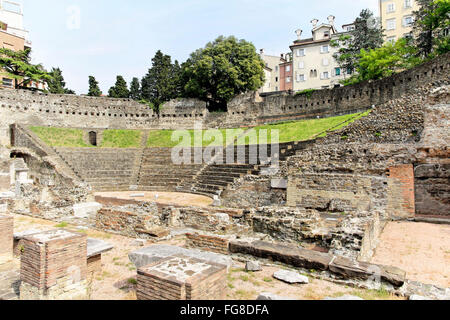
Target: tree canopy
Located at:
point(94, 90)
point(57, 85)
point(135, 89)
point(120, 89)
point(17, 65)
point(160, 83)
point(367, 35)
point(432, 27)
point(223, 69)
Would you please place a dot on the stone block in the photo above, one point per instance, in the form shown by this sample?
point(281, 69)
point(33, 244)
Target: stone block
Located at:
point(157, 253)
point(292, 255)
point(86, 210)
point(253, 266)
point(290, 277)
point(279, 184)
point(181, 278)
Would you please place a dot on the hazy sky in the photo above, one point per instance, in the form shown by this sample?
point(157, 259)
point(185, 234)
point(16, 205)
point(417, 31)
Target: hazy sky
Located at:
point(105, 38)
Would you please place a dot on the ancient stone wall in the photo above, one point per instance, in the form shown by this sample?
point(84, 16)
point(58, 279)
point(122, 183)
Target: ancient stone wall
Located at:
point(30, 108)
point(210, 243)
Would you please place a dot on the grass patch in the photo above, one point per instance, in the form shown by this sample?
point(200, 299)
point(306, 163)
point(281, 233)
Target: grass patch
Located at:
point(62, 225)
point(132, 281)
point(61, 137)
point(73, 138)
point(266, 279)
point(121, 139)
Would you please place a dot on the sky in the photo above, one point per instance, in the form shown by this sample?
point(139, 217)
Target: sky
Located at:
point(106, 38)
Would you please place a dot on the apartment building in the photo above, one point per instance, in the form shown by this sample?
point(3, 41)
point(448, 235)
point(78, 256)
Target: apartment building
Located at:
point(313, 64)
point(272, 72)
point(397, 18)
point(286, 73)
point(13, 36)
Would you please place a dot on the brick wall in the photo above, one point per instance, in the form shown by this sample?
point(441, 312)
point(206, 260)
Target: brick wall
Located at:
point(207, 243)
point(181, 278)
point(6, 238)
point(401, 198)
point(51, 256)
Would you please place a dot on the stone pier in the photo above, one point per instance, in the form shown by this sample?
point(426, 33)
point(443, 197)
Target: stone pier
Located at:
point(182, 278)
point(53, 266)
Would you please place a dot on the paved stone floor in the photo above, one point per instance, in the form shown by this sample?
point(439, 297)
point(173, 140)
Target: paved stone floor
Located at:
point(9, 281)
point(182, 199)
point(421, 249)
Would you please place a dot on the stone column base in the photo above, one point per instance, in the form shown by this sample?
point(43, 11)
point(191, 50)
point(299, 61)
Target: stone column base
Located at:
point(61, 291)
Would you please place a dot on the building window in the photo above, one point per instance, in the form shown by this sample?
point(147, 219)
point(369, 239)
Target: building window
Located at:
point(301, 65)
point(408, 21)
point(326, 34)
point(288, 79)
point(325, 75)
point(390, 7)
point(276, 79)
point(313, 73)
point(288, 68)
point(325, 62)
point(337, 71)
point(391, 39)
point(408, 4)
point(391, 24)
point(7, 82)
point(300, 77)
point(324, 49)
point(301, 52)
point(276, 68)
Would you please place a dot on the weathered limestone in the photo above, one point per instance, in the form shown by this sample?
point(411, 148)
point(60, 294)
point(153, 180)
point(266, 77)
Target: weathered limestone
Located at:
point(252, 266)
point(290, 277)
point(6, 238)
point(181, 278)
point(267, 296)
point(153, 254)
point(291, 255)
point(95, 249)
point(54, 266)
point(86, 210)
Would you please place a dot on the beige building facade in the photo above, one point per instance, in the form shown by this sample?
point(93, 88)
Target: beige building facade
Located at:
point(314, 66)
point(272, 72)
point(397, 18)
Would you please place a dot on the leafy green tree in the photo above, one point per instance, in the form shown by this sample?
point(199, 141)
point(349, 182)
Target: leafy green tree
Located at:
point(176, 74)
point(135, 89)
point(94, 90)
point(223, 69)
point(17, 65)
point(120, 89)
point(57, 85)
point(158, 85)
point(367, 35)
point(387, 60)
point(432, 27)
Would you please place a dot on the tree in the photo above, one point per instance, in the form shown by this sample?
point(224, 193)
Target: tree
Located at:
point(57, 85)
point(387, 60)
point(94, 90)
point(158, 85)
point(222, 70)
point(367, 35)
point(431, 27)
point(120, 89)
point(135, 89)
point(17, 65)
point(176, 75)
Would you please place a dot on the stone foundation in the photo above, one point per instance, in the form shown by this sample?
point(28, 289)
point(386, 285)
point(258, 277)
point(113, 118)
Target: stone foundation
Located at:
point(182, 278)
point(207, 242)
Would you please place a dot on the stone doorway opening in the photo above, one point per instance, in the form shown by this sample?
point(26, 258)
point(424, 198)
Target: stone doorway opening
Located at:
point(93, 138)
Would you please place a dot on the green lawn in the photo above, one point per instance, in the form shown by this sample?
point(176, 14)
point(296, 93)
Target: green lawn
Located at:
point(287, 131)
point(60, 137)
point(73, 138)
